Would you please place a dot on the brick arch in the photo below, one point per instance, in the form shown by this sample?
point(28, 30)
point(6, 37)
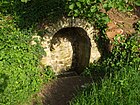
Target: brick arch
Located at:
point(66, 26)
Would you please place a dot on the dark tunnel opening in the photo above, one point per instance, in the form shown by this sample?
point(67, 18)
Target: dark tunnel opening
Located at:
point(80, 43)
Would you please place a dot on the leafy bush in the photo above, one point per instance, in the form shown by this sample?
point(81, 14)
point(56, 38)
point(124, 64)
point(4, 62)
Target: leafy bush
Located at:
point(20, 74)
point(88, 8)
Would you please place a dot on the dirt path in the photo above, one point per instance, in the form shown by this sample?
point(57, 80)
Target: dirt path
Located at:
point(62, 90)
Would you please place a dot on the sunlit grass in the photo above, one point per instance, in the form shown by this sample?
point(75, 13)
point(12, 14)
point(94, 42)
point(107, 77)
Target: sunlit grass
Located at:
point(120, 83)
point(121, 88)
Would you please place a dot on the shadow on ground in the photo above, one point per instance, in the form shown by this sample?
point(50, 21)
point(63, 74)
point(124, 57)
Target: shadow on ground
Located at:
point(62, 90)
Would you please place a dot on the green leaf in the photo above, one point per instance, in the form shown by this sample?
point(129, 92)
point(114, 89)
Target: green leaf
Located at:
point(93, 9)
point(25, 1)
point(130, 8)
point(105, 5)
point(88, 2)
point(72, 6)
point(137, 3)
point(76, 12)
point(78, 4)
point(89, 15)
point(106, 19)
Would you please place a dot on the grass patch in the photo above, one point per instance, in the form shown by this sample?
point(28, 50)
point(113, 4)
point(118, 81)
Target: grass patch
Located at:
point(119, 84)
point(121, 88)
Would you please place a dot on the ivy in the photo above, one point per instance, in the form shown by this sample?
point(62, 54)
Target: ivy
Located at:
point(20, 73)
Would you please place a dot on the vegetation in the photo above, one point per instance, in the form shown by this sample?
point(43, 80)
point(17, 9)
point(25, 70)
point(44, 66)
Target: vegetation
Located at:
point(119, 85)
point(29, 15)
point(122, 73)
point(21, 75)
point(121, 88)
point(95, 11)
point(19, 64)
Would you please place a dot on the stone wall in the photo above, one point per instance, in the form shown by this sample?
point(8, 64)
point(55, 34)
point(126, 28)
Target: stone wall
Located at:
point(69, 45)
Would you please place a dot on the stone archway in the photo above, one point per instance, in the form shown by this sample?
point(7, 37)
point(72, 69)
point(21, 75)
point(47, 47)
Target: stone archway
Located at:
point(69, 44)
point(70, 49)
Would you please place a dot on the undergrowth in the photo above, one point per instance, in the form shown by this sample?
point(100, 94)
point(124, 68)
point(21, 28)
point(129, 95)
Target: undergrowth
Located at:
point(34, 12)
point(121, 68)
point(121, 88)
point(20, 73)
point(118, 71)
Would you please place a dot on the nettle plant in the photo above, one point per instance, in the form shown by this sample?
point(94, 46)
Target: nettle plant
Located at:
point(20, 74)
point(126, 53)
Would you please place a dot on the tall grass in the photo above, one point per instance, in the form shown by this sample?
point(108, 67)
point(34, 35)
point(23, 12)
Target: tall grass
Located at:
point(121, 88)
point(120, 85)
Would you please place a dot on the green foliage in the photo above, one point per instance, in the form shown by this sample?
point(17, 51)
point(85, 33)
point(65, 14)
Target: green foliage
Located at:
point(48, 74)
point(124, 53)
point(95, 10)
point(6, 1)
point(25, 1)
point(120, 89)
point(27, 15)
point(121, 76)
point(122, 5)
point(88, 9)
point(20, 74)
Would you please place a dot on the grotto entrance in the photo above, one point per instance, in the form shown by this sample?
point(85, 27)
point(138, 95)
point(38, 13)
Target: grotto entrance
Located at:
point(70, 50)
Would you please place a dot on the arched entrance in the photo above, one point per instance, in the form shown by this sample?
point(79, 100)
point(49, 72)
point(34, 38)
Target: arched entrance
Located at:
point(70, 49)
point(69, 45)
